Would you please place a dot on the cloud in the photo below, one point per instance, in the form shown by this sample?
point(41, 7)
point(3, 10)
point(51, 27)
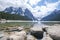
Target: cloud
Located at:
point(46, 10)
point(37, 11)
point(48, 7)
point(58, 7)
point(52, 1)
point(33, 2)
point(14, 3)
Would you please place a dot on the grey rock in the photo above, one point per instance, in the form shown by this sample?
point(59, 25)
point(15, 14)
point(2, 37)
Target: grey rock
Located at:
point(30, 37)
point(37, 32)
point(46, 37)
point(54, 32)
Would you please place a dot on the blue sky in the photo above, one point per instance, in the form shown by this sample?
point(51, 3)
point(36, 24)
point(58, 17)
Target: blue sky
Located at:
point(39, 8)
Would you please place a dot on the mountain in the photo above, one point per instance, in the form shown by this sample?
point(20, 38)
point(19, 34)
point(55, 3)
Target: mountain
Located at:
point(14, 10)
point(29, 14)
point(54, 16)
point(19, 11)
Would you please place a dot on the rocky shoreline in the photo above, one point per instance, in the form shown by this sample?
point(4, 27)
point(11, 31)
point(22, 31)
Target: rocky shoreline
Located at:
point(33, 33)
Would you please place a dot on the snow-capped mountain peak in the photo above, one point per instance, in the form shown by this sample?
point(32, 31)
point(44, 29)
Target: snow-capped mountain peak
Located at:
point(20, 11)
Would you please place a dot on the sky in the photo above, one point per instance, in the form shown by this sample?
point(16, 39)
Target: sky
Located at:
point(39, 8)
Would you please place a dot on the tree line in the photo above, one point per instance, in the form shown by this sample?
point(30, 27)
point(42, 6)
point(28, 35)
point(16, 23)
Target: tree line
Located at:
point(9, 16)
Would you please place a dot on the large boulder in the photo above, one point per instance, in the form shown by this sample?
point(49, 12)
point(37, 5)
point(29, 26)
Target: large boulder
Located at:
point(46, 36)
point(22, 35)
point(2, 36)
point(15, 36)
point(54, 32)
point(37, 32)
point(12, 29)
point(30, 37)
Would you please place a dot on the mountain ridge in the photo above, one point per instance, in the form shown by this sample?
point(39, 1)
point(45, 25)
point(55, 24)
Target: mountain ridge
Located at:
point(54, 16)
point(19, 11)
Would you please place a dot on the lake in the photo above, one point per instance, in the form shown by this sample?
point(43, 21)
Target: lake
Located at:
point(26, 25)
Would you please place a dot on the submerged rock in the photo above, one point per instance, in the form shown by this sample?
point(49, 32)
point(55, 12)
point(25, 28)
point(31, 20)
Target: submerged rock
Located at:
point(20, 28)
point(12, 29)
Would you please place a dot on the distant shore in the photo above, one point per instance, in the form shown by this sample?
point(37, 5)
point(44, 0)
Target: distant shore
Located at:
point(25, 21)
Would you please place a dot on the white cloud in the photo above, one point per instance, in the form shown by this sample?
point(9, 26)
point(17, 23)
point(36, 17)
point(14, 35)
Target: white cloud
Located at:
point(23, 3)
point(33, 2)
point(29, 7)
point(15, 3)
point(48, 8)
point(36, 9)
point(45, 9)
point(1, 8)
